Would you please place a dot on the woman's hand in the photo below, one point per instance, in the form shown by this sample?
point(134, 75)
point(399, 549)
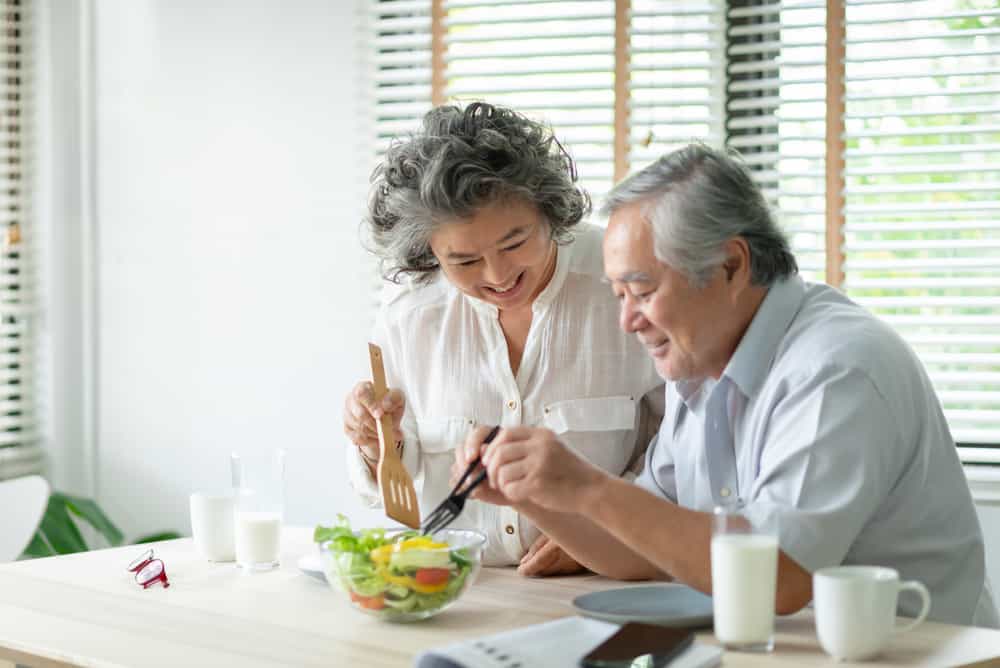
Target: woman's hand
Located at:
point(545, 557)
point(360, 412)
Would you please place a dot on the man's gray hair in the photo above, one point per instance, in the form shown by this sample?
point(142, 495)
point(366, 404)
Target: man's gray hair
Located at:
point(461, 161)
point(698, 198)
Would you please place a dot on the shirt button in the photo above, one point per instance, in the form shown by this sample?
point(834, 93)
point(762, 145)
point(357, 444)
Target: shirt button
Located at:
point(724, 492)
point(512, 405)
point(509, 529)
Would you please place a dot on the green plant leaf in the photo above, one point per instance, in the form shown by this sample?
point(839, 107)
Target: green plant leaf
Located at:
point(58, 530)
point(157, 537)
point(37, 548)
point(93, 515)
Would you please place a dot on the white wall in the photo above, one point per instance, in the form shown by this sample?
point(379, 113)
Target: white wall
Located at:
point(989, 519)
point(60, 208)
point(231, 288)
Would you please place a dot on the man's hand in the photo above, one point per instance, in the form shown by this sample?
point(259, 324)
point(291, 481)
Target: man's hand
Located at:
point(465, 454)
point(545, 557)
point(531, 466)
point(360, 412)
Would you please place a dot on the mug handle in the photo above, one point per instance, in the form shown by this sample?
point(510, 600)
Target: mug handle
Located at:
point(925, 596)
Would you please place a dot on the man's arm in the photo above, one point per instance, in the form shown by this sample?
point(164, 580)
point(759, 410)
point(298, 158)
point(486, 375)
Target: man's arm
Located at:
point(678, 540)
point(613, 521)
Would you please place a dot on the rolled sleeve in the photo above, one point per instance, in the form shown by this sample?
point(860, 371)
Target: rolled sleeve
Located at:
point(361, 478)
point(826, 468)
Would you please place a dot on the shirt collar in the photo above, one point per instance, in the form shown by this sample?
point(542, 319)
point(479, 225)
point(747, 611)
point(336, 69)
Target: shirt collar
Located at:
point(545, 297)
point(752, 359)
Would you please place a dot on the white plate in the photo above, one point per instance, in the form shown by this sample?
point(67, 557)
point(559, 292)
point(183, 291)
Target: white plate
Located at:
point(665, 605)
point(311, 565)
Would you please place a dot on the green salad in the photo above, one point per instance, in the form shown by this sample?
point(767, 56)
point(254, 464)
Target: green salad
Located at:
point(406, 572)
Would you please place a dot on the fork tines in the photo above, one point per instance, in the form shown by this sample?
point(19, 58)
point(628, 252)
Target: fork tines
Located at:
point(451, 507)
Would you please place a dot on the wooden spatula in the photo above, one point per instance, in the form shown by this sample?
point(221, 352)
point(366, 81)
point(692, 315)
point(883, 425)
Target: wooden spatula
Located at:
point(398, 496)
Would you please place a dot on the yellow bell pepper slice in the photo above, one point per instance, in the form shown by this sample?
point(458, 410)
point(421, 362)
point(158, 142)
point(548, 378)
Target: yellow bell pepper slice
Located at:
point(381, 555)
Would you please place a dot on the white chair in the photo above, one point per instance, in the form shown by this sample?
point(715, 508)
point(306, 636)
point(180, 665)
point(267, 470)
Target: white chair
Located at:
point(22, 504)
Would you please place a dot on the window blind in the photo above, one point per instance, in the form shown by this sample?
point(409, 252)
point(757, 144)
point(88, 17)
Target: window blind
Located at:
point(395, 54)
point(922, 187)
point(20, 449)
point(553, 61)
point(922, 127)
point(776, 114)
point(677, 61)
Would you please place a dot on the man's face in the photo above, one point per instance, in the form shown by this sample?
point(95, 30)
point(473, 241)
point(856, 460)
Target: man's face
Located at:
point(684, 328)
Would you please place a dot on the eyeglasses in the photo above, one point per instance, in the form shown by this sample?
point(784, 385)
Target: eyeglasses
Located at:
point(148, 570)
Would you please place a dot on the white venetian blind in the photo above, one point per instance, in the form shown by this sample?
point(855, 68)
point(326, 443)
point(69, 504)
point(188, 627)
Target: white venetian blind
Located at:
point(923, 194)
point(922, 212)
point(776, 114)
point(677, 60)
point(553, 61)
point(394, 42)
point(396, 50)
point(20, 450)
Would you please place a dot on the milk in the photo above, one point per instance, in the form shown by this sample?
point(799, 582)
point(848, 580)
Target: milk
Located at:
point(744, 577)
point(258, 539)
point(212, 525)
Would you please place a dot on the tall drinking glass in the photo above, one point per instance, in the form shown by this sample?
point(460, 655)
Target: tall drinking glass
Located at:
point(744, 582)
point(259, 483)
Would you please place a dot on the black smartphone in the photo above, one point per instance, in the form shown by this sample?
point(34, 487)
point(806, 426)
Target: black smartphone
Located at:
point(639, 645)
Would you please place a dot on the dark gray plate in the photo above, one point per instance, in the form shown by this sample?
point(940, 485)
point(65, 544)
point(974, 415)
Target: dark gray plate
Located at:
point(666, 605)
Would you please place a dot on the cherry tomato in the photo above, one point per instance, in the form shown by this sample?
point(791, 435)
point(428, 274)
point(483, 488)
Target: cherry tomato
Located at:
point(432, 576)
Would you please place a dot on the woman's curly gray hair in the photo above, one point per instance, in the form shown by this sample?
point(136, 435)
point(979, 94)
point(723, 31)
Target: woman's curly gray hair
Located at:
point(459, 162)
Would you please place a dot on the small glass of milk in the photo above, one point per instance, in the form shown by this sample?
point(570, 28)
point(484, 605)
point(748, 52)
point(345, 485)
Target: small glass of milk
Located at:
point(744, 581)
point(259, 484)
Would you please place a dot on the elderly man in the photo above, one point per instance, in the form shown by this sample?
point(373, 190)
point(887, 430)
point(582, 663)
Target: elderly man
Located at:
point(784, 398)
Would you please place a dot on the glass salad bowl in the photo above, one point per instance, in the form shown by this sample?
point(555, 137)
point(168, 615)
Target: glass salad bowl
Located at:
point(399, 575)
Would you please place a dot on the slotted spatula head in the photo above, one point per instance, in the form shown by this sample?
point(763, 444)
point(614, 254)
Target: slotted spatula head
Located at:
point(398, 496)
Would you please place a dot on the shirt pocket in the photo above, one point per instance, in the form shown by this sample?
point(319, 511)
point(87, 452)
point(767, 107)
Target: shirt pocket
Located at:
point(594, 414)
point(443, 434)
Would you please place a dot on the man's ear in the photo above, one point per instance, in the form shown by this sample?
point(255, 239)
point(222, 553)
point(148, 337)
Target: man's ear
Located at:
point(737, 262)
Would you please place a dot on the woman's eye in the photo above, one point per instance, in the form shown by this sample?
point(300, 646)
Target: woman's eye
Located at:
point(467, 263)
point(515, 246)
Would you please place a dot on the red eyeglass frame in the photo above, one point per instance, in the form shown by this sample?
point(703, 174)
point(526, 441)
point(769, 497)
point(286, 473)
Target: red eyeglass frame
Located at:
point(148, 570)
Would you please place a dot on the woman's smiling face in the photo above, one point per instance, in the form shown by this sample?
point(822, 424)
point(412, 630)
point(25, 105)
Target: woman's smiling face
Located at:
point(503, 255)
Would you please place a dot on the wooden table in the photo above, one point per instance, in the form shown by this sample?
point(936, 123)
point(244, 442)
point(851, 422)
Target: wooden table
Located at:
point(85, 610)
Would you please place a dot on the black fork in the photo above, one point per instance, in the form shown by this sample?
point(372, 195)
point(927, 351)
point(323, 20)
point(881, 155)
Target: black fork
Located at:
point(451, 507)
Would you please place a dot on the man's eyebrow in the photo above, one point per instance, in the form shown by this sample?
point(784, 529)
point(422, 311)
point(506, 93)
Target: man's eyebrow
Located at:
point(630, 277)
point(507, 237)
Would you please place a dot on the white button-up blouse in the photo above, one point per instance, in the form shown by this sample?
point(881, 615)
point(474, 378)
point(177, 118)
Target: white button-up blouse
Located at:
point(580, 376)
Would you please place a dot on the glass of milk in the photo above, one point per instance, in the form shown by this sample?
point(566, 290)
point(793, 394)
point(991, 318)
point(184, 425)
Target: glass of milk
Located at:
point(259, 484)
point(744, 579)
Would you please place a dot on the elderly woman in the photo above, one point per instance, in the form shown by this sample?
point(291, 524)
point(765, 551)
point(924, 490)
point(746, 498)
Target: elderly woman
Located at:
point(495, 313)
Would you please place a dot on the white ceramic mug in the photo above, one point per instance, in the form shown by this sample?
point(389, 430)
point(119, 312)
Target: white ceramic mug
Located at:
point(855, 609)
point(212, 525)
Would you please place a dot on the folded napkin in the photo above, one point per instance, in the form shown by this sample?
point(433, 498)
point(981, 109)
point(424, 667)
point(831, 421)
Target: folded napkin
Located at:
point(558, 644)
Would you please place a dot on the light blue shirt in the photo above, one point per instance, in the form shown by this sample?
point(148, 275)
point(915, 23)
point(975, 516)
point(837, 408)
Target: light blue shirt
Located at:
point(825, 421)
